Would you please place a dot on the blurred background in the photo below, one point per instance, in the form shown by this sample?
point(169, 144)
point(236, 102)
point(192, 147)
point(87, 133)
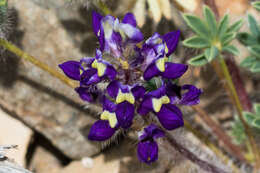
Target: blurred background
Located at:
point(49, 122)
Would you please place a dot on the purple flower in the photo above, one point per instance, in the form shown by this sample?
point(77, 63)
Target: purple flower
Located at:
point(113, 34)
point(125, 96)
point(116, 77)
point(147, 149)
point(159, 102)
point(183, 95)
point(157, 49)
point(105, 128)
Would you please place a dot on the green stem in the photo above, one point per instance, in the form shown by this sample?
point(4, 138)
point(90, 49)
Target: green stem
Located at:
point(238, 105)
point(12, 48)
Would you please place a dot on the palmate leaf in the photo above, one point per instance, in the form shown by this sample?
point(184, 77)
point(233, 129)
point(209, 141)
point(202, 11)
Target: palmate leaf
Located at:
point(256, 5)
point(249, 117)
point(255, 51)
point(238, 132)
point(211, 20)
point(196, 42)
point(211, 53)
point(197, 25)
point(223, 26)
point(235, 26)
point(256, 123)
point(227, 38)
point(255, 67)
point(198, 60)
point(230, 49)
point(248, 61)
point(253, 26)
point(247, 39)
point(3, 11)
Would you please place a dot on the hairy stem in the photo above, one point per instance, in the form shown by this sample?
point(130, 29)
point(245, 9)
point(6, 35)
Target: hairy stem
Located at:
point(191, 156)
point(238, 105)
point(221, 134)
point(212, 146)
point(12, 48)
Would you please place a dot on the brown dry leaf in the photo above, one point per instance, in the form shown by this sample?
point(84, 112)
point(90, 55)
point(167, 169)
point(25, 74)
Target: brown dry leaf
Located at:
point(139, 11)
point(165, 8)
point(155, 10)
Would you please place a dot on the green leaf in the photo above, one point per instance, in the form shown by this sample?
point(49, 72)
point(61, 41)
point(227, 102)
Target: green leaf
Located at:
point(255, 67)
point(236, 26)
point(211, 53)
point(253, 25)
point(196, 42)
point(237, 131)
point(248, 61)
point(256, 5)
point(256, 123)
point(223, 26)
point(197, 25)
point(227, 38)
point(255, 50)
point(246, 38)
point(211, 20)
point(257, 109)
point(249, 117)
point(198, 60)
point(231, 49)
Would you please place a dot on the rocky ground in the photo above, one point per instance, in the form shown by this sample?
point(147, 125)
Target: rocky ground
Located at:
point(47, 120)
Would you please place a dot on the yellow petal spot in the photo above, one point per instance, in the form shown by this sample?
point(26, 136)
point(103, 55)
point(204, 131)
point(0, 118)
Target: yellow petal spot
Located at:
point(100, 67)
point(157, 103)
point(149, 158)
point(166, 48)
point(111, 117)
point(124, 64)
point(125, 97)
point(160, 64)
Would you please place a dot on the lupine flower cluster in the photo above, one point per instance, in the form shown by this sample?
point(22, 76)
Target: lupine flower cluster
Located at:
point(124, 63)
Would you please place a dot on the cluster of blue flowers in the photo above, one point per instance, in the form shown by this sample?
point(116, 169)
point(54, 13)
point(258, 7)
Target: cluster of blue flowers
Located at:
point(125, 61)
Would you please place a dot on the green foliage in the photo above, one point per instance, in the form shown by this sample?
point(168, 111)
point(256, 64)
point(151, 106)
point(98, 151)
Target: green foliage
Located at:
point(238, 132)
point(256, 5)
point(211, 36)
point(252, 41)
point(252, 119)
point(198, 60)
point(3, 11)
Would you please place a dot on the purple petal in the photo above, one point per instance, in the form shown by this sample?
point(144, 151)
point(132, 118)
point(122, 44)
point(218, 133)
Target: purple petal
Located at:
point(147, 151)
point(138, 91)
point(71, 69)
point(170, 117)
point(173, 70)
point(173, 90)
point(129, 19)
point(110, 72)
point(151, 132)
point(125, 114)
point(90, 77)
point(113, 88)
point(151, 71)
point(156, 43)
point(84, 94)
point(87, 61)
point(191, 97)
point(146, 106)
point(100, 131)
point(133, 34)
point(171, 39)
point(108, 105)
point(96, 22)
point(159, 92)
